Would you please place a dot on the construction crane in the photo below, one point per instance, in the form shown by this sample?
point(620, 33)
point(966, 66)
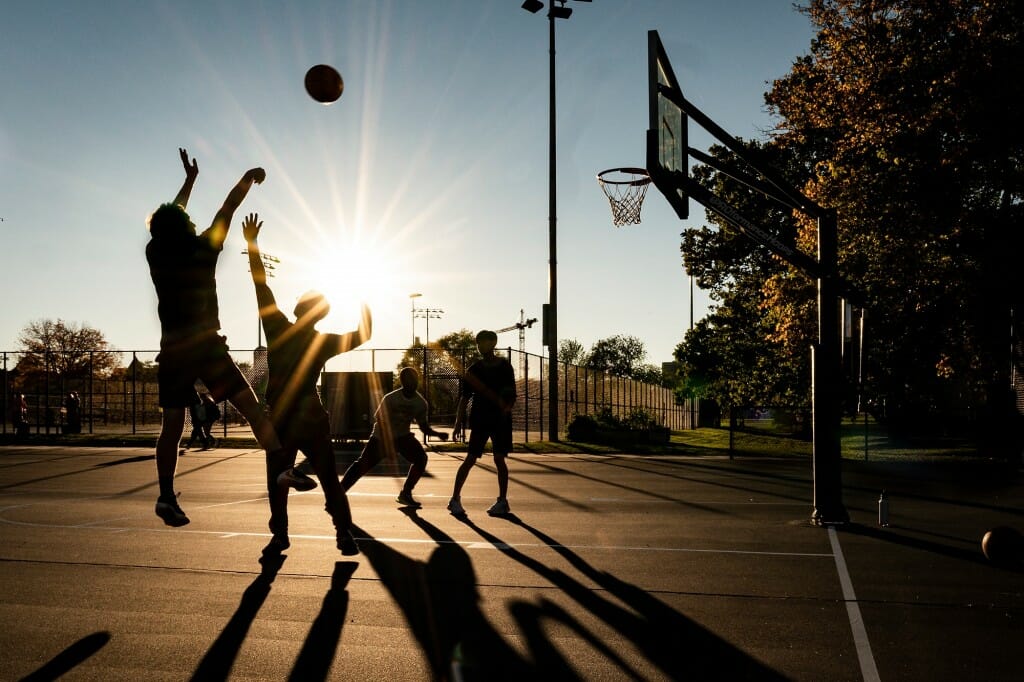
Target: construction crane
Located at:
point(522, 325)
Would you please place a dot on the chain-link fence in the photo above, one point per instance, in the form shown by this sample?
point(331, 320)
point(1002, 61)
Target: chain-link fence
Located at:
point(122, 396)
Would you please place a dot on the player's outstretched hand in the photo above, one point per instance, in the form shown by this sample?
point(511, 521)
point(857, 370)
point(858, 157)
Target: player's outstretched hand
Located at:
point(191, 169)
point(257, 175)
point(251, 227)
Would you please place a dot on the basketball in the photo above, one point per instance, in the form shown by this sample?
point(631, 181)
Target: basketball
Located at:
point(324, 83)
point(1002, 544)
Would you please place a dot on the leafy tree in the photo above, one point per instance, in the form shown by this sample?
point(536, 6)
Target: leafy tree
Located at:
point(746, 351)
point(571, 352)
point(904, 118)
point(64, 347)
point(617, 355)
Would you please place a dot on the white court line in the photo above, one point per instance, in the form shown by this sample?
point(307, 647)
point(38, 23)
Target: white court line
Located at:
point(468, 544)
point(868, 669)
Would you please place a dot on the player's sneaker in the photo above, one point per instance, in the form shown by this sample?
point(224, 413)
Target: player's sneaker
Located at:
point(168, 510)
point(455, 507)
point(347, 543)
point(406, 499)
point(498, 508)
point(293, 478)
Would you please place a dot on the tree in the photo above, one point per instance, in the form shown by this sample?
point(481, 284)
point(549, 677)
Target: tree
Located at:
point(746, 352)
point(904, 118)
point(570, 352)
point(617, 355)
point(67, 348)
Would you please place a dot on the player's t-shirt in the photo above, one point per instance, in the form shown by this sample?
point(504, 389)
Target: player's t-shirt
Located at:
point(489, 384)
point(396, 413)
point(183, 270)
point(295, 357)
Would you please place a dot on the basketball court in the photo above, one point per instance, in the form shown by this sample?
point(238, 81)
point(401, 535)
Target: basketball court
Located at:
point(611, 567)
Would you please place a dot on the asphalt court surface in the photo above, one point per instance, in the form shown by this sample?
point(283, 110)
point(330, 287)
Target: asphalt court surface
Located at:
point(609, 567)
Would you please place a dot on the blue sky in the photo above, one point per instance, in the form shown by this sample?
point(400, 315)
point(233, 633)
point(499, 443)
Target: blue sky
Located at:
point(428, 176)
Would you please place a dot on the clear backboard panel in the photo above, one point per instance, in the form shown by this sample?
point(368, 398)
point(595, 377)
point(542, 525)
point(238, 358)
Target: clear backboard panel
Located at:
point(667, 158)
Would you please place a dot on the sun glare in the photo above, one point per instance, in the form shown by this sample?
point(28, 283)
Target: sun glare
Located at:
point(357, 273)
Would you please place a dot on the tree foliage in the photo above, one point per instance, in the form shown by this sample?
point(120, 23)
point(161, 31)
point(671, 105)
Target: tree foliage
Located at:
point(905, 114)
point(617, 355)
point(571, 352)
point(68, 348)
point(902, 118)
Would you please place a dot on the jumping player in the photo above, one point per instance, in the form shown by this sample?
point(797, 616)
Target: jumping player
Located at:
point(296, 353)
point(183, 267)
point(391, 433)
point(491, 384)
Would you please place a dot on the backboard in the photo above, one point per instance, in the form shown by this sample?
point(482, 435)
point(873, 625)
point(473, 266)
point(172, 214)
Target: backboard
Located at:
point(667, 156)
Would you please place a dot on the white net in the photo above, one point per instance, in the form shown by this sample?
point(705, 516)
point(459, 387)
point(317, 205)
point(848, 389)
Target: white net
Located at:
point(625, 189)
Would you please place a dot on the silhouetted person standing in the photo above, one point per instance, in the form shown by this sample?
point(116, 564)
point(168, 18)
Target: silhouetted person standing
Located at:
point(491, 385)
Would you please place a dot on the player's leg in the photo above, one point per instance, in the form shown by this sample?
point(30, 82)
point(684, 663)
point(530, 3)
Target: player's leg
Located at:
point(409, 447)
point(172, 425)
point(321, 456)
point(368, 459)
point(475, 447)
point(501, 441)
point(278, 461)
point(176, 392)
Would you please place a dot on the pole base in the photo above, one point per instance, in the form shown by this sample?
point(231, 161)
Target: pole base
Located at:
point(836, 516)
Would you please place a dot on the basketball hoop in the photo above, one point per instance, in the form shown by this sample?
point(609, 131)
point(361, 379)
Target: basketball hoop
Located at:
point(625, 189)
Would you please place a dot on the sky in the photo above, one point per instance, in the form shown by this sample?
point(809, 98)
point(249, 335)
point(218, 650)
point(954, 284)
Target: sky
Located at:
point(429, 175)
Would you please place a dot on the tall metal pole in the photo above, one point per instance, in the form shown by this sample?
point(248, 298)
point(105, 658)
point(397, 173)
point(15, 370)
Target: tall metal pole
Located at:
point(552, 247)
point(412, 298)
point(825, 369)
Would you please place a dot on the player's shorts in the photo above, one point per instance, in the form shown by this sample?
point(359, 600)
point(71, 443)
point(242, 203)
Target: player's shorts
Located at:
point(499, 433)
point(302, 428)
point(205, 358)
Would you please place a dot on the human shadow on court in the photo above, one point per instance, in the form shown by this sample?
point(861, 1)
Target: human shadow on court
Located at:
point(441, 604)
point(220, 657)
point(317, 654)
point(70, 657)
point(675, 644)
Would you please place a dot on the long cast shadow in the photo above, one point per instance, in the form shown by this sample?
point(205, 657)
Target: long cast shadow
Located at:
point(220, 657)
point(671, 641)
point(441, 604)
point(70, 657)
point(889, 535)
point(314, 661)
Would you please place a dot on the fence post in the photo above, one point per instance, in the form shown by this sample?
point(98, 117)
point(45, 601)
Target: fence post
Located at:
point(135, 370)
point(526, 398)
point(7, 381)
point(732, 430)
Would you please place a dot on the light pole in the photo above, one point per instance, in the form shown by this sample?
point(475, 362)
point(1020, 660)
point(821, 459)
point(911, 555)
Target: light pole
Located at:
point(413, 297)
point(269, 263)
point(427, 313)
point(556, 10)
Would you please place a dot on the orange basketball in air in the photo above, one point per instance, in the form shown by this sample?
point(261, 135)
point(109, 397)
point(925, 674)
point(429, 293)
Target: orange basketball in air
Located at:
point(324, 83)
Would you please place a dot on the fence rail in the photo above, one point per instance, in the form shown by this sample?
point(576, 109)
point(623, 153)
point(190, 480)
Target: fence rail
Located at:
point(124, 399)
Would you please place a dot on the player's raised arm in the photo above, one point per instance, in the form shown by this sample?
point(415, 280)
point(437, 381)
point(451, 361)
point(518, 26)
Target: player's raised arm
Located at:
point(264, 296)
point(191, 173)
point(340, 343)
point(222, 221)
